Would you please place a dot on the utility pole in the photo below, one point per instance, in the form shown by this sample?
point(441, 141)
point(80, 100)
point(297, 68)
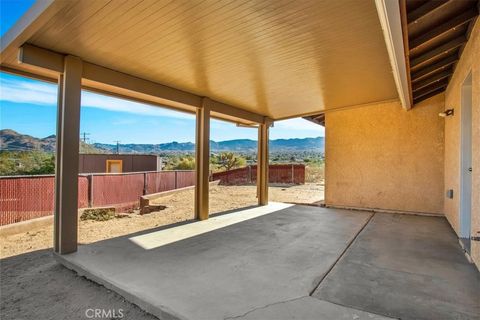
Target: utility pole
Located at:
point(84, 135)
point(117, 141)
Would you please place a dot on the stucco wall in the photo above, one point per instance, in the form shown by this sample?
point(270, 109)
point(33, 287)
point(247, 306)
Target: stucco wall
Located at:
point(469, 61)
point(383, 157)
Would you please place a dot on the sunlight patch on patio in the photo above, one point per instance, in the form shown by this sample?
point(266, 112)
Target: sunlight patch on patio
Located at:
point(163, 237)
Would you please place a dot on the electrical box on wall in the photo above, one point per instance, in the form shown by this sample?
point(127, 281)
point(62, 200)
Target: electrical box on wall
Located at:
point(450, 193)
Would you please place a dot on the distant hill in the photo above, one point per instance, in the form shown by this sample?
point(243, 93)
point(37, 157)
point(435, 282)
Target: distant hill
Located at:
point(238, 145)
point(14, 141)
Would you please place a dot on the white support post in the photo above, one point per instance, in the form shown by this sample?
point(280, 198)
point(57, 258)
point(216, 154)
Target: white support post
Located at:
point(202, 160)
point(68, 132)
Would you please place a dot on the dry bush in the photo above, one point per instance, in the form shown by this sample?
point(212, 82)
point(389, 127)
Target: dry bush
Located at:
point(315, 173)
point(98, 214)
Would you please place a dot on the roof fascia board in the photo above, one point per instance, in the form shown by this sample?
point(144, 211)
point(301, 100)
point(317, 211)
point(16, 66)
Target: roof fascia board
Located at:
point(38, 14)
point(390, 20)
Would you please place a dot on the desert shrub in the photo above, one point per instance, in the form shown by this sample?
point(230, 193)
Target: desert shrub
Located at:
point(315, 173)
point(227, 161)
point(183, 163)
point(98, 214)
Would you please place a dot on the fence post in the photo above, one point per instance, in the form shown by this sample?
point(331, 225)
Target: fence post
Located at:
point(90, 190)
point(293, 174)
point(144, 183)
point(249, 174)
point(176, 179)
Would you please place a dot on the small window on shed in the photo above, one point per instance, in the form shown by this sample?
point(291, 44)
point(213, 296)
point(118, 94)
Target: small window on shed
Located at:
point(114, 166)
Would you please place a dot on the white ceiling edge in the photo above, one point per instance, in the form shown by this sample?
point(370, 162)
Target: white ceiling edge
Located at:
point(391, 22)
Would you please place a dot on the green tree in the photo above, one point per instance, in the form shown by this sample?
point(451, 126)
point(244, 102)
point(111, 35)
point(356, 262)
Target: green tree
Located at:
point(26, 163)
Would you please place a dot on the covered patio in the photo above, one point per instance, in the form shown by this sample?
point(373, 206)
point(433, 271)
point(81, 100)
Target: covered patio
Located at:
point(290, 262)
point(251, 81)
point(386, 245)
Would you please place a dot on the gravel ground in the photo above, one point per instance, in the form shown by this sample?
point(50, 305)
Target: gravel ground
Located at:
point(34, 286)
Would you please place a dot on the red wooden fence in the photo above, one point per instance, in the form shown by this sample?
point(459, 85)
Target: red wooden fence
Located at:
point(277, 173)
point(27, 197)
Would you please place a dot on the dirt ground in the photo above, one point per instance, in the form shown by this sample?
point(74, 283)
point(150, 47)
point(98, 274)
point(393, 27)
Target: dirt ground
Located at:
point(179, 207)
point(34, 286)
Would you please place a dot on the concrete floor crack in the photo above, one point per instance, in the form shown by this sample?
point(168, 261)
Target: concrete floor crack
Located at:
point(315, 287)
point(263, 307)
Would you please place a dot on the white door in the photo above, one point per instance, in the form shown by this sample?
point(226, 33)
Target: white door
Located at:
point(466, 164)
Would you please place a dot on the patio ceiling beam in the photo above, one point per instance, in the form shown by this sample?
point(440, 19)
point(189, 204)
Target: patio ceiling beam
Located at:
point(236, 112)
point(98, 78)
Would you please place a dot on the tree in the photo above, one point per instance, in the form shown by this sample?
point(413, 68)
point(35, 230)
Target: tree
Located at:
point(186, 163)
point(26, 162)
point(229, 160)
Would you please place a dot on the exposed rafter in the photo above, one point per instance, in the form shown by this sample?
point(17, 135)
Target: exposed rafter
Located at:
point(444, 28)
point(430, 88)
point(436, 77)
point(317, 118)
point(425, 10)
point(436, 67)
point(429, 95)
point(437, 31)
point(444, 49)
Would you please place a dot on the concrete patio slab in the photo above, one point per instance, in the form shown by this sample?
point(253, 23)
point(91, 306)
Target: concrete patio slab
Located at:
point(272, 257)
point(407, 267)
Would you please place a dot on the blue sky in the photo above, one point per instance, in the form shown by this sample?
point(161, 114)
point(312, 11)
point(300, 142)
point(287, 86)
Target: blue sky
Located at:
point(29, 106)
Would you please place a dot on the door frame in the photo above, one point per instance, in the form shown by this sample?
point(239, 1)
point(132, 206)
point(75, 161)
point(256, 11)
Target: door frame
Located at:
point(466, 125)
point(110, 162)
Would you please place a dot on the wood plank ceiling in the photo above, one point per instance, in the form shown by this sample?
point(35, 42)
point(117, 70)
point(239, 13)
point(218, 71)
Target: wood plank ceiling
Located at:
point(435, 33)
point(277, 58)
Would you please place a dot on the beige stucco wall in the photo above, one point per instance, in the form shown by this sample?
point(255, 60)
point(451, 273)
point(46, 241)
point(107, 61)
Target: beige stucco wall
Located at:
point(383, 157)
point(469, 61)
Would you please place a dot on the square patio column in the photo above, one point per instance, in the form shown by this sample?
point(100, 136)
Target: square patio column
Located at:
point(66, 179)
point(262, 167)
point(202, 160)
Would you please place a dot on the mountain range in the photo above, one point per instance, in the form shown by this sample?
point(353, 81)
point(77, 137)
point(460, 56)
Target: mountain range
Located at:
point(14, 141)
